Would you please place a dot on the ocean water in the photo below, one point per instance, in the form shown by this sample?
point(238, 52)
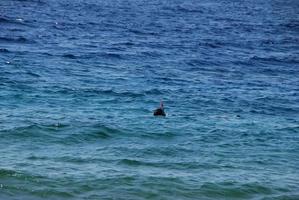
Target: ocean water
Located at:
point(79, 81)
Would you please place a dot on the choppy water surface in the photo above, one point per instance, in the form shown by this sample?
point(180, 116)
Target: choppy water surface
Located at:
point(79, 81)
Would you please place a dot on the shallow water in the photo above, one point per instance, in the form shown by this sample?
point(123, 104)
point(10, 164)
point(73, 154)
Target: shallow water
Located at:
point(79, 81)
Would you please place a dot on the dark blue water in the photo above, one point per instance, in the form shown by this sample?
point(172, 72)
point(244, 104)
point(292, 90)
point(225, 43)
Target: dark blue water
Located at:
point(79, 81)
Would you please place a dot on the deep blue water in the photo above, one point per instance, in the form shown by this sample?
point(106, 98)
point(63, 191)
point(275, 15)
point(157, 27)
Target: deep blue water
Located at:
point(79, 81)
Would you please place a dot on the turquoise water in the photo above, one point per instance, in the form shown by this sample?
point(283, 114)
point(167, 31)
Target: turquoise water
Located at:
point(79, 81)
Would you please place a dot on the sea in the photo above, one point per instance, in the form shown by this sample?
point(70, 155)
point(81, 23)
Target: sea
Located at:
point(80, 79)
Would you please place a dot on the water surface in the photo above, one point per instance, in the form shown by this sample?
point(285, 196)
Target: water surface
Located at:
point(79, 81)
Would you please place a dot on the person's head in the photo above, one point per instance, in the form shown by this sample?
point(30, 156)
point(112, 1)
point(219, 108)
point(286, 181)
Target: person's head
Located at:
point(161, 104)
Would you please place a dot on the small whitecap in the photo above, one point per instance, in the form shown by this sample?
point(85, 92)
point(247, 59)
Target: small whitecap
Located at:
point(19, 19)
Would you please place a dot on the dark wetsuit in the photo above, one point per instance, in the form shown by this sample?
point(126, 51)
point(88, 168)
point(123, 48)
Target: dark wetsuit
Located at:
point(159, 112)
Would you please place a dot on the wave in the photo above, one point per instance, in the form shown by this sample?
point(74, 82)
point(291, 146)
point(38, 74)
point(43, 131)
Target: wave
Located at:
point(117, 93)
point(144, 32)
point(154, 92)
point(62, 133)
point(234, 190)
point(125, 43)
point(87, 136)
point(150, 54)
point(185, 9)
point(92, 133)
point(32, 74)
point(35, 131)
point(213, 44)
point(291, 25)
point(71, 56)
point(197, 64)
point(94, 55)
point(188, 9)
point(7, 173)
point(282, 197)
point(275, 59)
point(22, 183)
point(132, 162)
point(95, 92)
point(294, 129)
point(5, 20)
point(160, 135)
point(19, 39)
point(3, 50)
point(112, 55)
point(167, 165)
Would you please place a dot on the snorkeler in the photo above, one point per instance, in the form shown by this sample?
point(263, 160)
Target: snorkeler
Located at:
point(160, 111)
